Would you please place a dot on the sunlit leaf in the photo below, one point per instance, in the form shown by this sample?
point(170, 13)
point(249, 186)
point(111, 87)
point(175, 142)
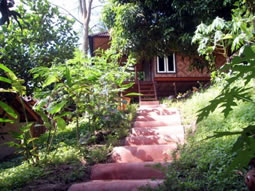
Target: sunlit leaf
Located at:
point(6, 120)
point(55, 108)
point(133, 94)
point(51, 79)
point(6, 80)
point(8, 110)
point(61, 123)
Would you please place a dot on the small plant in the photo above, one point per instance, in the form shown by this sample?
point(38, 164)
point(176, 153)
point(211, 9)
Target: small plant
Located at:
point(26, 142)
point(97, 154)
point(86, 87)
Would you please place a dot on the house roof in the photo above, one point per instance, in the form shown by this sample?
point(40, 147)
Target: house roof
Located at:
point(13, 100)
point(101, 34)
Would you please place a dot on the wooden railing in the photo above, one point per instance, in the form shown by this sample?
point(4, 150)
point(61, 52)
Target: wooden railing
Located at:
point(155, 89)
point(139, 91)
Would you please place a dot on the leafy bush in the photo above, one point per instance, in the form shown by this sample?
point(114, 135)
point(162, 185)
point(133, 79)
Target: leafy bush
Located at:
point(46, 38)
point(89, 87)
point(235, 41)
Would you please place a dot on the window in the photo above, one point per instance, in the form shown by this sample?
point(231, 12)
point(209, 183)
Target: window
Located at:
point(166, 64)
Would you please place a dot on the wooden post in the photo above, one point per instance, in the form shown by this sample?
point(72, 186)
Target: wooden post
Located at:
point(136, 75)
point(175, 89)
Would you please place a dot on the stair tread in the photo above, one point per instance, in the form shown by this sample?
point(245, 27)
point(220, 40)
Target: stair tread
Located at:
point(114, 185)
point(143, 153)
point(153, 139)
point(154, 135)
point(127, 171)
point(149, 99)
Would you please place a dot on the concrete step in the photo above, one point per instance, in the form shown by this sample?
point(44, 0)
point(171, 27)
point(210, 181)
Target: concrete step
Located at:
point(126, 171)
point(143, 153)
point(154, 140)
point(148, 99)
point(156, 111)
point(147, 124)
point(155, 131)
point(114, 185)
point(161, 118)
point(149, 103)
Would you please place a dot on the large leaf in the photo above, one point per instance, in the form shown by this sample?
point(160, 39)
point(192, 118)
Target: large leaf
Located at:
point(61, 123)
point(7, 90)
point(223, 134)
point(243, 67)
point(63, 115)
point(55, 108)
point(243, 147)
point(2, 120)
point(133, 94)
point(8, 110)
point(9, 72)
point(6, 80)
point(6, 69)
point(51, 79)
point(126, 86)
point(68, 77)
point(227, 100)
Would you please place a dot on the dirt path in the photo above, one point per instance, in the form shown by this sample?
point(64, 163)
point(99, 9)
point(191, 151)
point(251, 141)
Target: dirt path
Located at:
point(154, 135)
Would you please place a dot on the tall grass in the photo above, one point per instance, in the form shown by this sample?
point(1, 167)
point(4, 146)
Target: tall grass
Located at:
point(203, 163)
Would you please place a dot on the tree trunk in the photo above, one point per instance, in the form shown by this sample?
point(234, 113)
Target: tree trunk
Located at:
point(85, 8)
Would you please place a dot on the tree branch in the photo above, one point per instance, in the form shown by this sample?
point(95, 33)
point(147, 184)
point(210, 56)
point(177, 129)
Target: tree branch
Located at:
point(97, 6)
point(75, 18)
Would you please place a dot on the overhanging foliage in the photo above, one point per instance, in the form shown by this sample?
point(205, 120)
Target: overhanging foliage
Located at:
point(157, 26)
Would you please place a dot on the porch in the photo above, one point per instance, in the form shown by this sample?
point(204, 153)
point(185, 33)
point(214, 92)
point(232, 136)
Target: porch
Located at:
point(163, 87)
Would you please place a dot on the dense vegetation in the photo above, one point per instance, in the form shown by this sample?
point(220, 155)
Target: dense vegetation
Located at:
point(46, 38)
point(157, 27)
point(78, 100)
point(78, 97)
point(220, 144)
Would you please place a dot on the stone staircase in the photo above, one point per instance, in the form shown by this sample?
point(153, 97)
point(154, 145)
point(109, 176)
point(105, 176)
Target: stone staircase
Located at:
point(154, 135)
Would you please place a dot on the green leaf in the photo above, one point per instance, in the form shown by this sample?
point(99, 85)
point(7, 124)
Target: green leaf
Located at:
point(13, 144)
point(133, 94)
point(227, 100)
point(2, 120)
point(32, 139)
point(45, 118)
point(52, 109)
point(51, 79)
point(62, 115)
point(8, 110)
point(6, 69)
point(9, 72)
point(227, 37)
point(26, 127)
point(223, 134)
point(68, 77)
point(126, 86)
point(17, 135)
point(7, 90)
point(6, 80)
point(61, 123)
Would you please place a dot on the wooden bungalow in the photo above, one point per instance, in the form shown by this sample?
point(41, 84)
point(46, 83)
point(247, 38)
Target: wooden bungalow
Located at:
point(161, 76)
point(7, 128)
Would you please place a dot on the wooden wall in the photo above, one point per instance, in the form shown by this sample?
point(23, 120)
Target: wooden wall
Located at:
point(7, 128)
point(101, 43)
point(182, 68)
